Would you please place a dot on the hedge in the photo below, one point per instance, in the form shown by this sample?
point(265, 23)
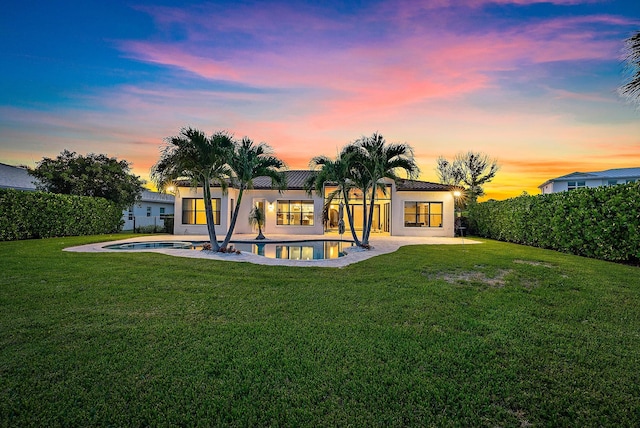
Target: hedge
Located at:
point(26, 215)
point(600, 222)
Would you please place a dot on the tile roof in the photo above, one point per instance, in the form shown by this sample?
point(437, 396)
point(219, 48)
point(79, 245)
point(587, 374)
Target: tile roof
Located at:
point(297, 177)
point(295, 180)
point(13, 177)
point(415, 185)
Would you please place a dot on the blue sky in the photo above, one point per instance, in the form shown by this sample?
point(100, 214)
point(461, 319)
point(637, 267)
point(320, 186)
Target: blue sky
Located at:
point(530, 83)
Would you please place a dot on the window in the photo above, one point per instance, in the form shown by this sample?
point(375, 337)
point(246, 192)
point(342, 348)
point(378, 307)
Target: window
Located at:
point(630, 180)
point(295, 213)
point(612, 182)
point(572, 185)
point(161, 210)
point(148, 211)
point(193, 211)
point(423, 214)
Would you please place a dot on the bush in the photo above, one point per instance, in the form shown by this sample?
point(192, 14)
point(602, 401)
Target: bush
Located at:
point(168, 224)
point(26, 215)
point(600, 222)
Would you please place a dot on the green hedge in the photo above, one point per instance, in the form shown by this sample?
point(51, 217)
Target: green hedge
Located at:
point(26, 215)
point(600, 222)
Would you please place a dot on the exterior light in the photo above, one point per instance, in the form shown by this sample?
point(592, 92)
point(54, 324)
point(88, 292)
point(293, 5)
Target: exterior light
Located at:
point(457, 194)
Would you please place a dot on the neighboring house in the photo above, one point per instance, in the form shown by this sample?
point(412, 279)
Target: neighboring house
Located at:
point(411, 208)
point(14, 177)
point(150, 210)
point(577, 180)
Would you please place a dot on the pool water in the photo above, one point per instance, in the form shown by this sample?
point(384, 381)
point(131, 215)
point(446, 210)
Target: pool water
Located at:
point(291, 250)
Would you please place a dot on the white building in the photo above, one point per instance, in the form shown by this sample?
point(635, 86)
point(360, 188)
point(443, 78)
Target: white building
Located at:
point(150, 210)
point(577, 180)
point(411, 208)
point(14, 177)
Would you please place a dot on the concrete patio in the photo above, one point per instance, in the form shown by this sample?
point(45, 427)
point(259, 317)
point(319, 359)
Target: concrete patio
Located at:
point(380, 245)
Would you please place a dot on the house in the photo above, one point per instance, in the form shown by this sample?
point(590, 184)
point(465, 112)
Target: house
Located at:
point(14, 177)
point(409, 208)
point(577, 180)
point(150, 210)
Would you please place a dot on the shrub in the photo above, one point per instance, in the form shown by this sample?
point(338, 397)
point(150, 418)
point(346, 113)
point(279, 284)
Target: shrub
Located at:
point(26, 215)
point(600, 222)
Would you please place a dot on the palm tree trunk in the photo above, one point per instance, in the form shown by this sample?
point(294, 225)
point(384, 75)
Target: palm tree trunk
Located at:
point(350, 218)
point(367, 232)
point(208, 210)
point(234, 218)
point(364, 214)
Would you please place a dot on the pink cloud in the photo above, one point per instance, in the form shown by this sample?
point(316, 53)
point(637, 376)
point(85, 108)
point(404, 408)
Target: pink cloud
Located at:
point(357, 76)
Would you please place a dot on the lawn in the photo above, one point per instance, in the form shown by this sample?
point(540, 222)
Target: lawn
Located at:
point(493, 334)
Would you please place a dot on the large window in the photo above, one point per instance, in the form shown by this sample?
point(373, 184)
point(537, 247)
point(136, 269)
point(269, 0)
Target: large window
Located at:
point(193, 211)
point(295, 213)
point(572, 185)
point(423, 214)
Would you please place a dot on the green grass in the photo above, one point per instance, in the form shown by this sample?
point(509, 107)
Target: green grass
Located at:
point(482, 335)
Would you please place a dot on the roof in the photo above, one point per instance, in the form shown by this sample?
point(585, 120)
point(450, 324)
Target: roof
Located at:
point(608, 173)
point(422, 186)
point(149, 196)
point(297, 177)
point(13, 177)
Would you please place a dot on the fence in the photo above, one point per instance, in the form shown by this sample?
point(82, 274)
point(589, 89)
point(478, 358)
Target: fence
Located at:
point(163, 223)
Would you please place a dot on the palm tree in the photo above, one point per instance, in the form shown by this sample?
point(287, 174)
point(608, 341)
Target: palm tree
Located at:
point(631, 88)
point(256, 218)
point(336, 172)
point(374, 160)
point(202, 160)
point(248, 162)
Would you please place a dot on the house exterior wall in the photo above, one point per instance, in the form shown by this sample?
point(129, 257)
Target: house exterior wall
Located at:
point(249, 198)
point(591, 179)
point(398, 227)
point(563, 185)
point(271, 198)
point(142, 217)
point(201, 229)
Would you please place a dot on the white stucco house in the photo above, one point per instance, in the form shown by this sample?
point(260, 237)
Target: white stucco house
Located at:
point(577, 180)
point(410, 208)
point(150, 210)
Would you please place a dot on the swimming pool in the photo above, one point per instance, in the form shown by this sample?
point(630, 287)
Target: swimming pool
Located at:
point(290, 250)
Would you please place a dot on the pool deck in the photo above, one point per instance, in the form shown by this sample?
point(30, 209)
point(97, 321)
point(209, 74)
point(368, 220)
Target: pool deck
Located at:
point(380, 245)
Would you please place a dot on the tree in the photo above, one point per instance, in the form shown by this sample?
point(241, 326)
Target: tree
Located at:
point(91, 175)
point(471, 168)
point(336, 172)
point(449, 172)
point(256, 218)
point(374, 159)
point(248, 162)
point(631, 89)
point(200, 159)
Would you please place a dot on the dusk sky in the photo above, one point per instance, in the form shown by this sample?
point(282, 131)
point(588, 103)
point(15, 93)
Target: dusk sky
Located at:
point(533, 84)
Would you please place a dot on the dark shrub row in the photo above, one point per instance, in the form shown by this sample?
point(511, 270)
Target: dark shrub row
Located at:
point(601, 222)
point(25, 215)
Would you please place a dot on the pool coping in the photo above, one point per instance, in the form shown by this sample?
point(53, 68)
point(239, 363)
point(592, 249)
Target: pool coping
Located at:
point(379, 245)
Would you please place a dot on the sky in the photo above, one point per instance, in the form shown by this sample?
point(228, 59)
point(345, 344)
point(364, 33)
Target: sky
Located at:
point(532, 84)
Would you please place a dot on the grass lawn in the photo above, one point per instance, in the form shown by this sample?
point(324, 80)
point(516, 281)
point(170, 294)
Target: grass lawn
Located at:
point(493, 334)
